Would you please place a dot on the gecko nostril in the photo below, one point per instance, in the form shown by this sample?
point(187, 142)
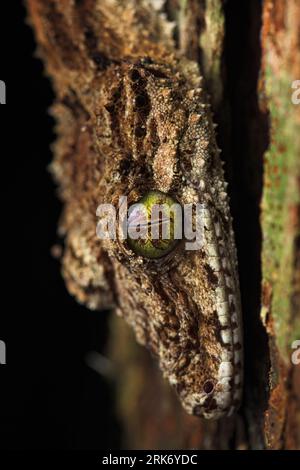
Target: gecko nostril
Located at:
point(141, 101)
point(135, 76)
point(208, 386)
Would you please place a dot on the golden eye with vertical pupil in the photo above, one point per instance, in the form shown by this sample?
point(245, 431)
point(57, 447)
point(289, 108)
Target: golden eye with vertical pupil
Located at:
point(154, 225)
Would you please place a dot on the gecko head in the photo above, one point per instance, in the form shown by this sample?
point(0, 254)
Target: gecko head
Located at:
point(156, 145)
point(182, 303)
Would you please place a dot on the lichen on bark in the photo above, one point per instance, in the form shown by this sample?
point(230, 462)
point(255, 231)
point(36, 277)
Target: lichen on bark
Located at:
point(280, 216)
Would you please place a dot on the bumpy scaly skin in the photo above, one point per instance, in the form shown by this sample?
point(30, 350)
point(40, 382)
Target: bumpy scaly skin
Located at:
point(132, 117)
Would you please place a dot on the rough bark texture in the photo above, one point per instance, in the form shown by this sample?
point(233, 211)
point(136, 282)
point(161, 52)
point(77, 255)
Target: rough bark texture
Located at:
point(280, 219)
point(250, 55)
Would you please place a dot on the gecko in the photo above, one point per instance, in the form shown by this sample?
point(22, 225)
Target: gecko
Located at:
point(133, 119)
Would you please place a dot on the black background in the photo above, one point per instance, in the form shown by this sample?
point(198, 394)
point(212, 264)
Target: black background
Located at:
point(49, 398)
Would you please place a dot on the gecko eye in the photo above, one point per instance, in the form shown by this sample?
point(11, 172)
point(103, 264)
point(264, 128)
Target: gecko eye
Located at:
point(154, 225)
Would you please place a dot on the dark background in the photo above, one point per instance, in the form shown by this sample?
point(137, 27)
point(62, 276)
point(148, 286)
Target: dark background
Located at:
point(49, 397)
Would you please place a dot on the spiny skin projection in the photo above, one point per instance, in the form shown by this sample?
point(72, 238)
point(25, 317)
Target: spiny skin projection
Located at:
point(131, 118)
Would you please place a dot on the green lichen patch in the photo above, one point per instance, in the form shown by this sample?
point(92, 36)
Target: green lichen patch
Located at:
point(279, 207)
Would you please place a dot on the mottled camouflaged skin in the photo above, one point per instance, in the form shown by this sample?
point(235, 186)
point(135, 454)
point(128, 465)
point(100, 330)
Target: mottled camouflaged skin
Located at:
point(132, 117)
